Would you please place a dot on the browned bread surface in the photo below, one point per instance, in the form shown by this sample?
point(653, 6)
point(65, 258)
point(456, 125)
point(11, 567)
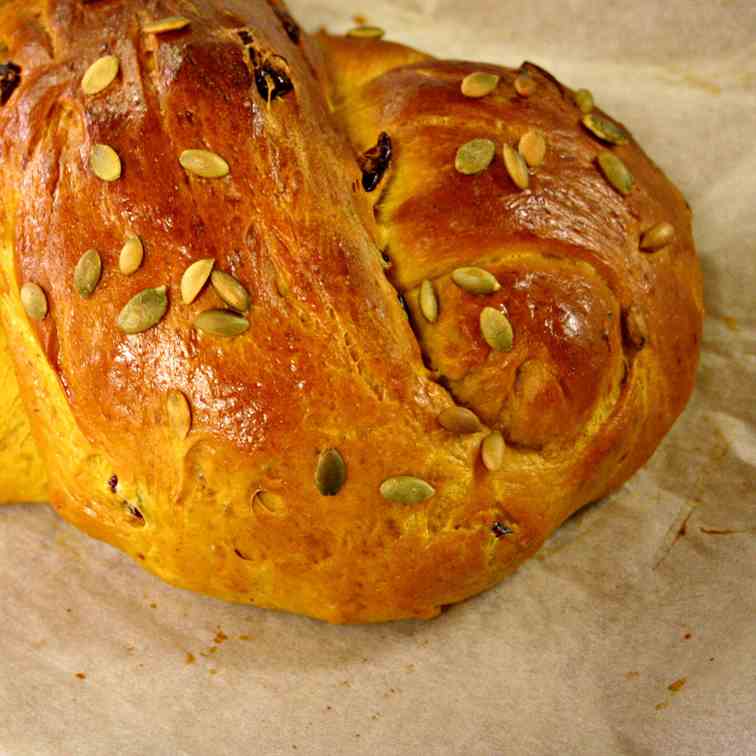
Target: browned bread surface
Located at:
point(605, 338)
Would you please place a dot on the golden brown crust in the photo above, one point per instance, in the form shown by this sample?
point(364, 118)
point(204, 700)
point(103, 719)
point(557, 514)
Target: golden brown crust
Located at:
point(330, 359)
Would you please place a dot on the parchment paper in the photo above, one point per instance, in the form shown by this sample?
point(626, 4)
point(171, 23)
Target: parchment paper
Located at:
point(653, 587)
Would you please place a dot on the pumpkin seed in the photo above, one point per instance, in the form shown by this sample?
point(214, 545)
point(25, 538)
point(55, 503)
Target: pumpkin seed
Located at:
point(171, 23)
point(616, 172)
point(179, 413)
point(516, 167)
point(223, 323)
point(204, 163)
point(428, 301)
point(634, 325)
point(584, 100)
point(605, 129)
point(496, 329)
point(406, 489)
point(34, 301)
point(525, 85)
point(474, 156)
point(459, 420)
point(657, 236)
point(100, 75)
point(492, 451)
point(105, 163)
point(532, 147)
point(475, 280)
point(479, 84)
point(194, 278)
point(366, 32)
point(144, 310)
point(271, 502)
point(330, 472)
point(230, 291)
point(87, 273)
point(132, 254)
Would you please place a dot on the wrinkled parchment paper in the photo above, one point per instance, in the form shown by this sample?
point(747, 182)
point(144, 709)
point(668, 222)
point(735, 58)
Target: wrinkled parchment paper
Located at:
point(633, 632)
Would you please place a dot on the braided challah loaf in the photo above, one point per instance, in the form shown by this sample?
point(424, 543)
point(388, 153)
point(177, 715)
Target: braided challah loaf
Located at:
point(323, 324)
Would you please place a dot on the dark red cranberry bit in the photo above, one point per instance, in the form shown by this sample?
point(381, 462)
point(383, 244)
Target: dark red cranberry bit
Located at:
point(134, 512)
point(374, 162)
point(499, 529)
point(272, 82)
point(245, 37)
point(10, 78)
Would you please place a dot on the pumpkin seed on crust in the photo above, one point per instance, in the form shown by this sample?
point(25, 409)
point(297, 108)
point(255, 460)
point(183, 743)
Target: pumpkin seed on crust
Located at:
point(330, 472)
point(132, 254)
point(34, 301)
point(475, 280)
point(479, 84)
point(168, 24)
point(144, 310)
point(616, 172)
point(100, 75)
point(584, 100)
point(204, 163)
point(230, 290)
point(105, 163)
point(194, 278)
point(657, 236)
point(492, 451)
point(459, 420)
point(605, 129)
point(428, 301)
point(366, 32)
point(269, 502)
point(179, 413)
point(634, 326)
point(525, 85)
point(516, 167)
point(532, 147)
point(496, 329)
point(87, 273)
point(406, 489)
point(221, 323)
point(474, 156)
